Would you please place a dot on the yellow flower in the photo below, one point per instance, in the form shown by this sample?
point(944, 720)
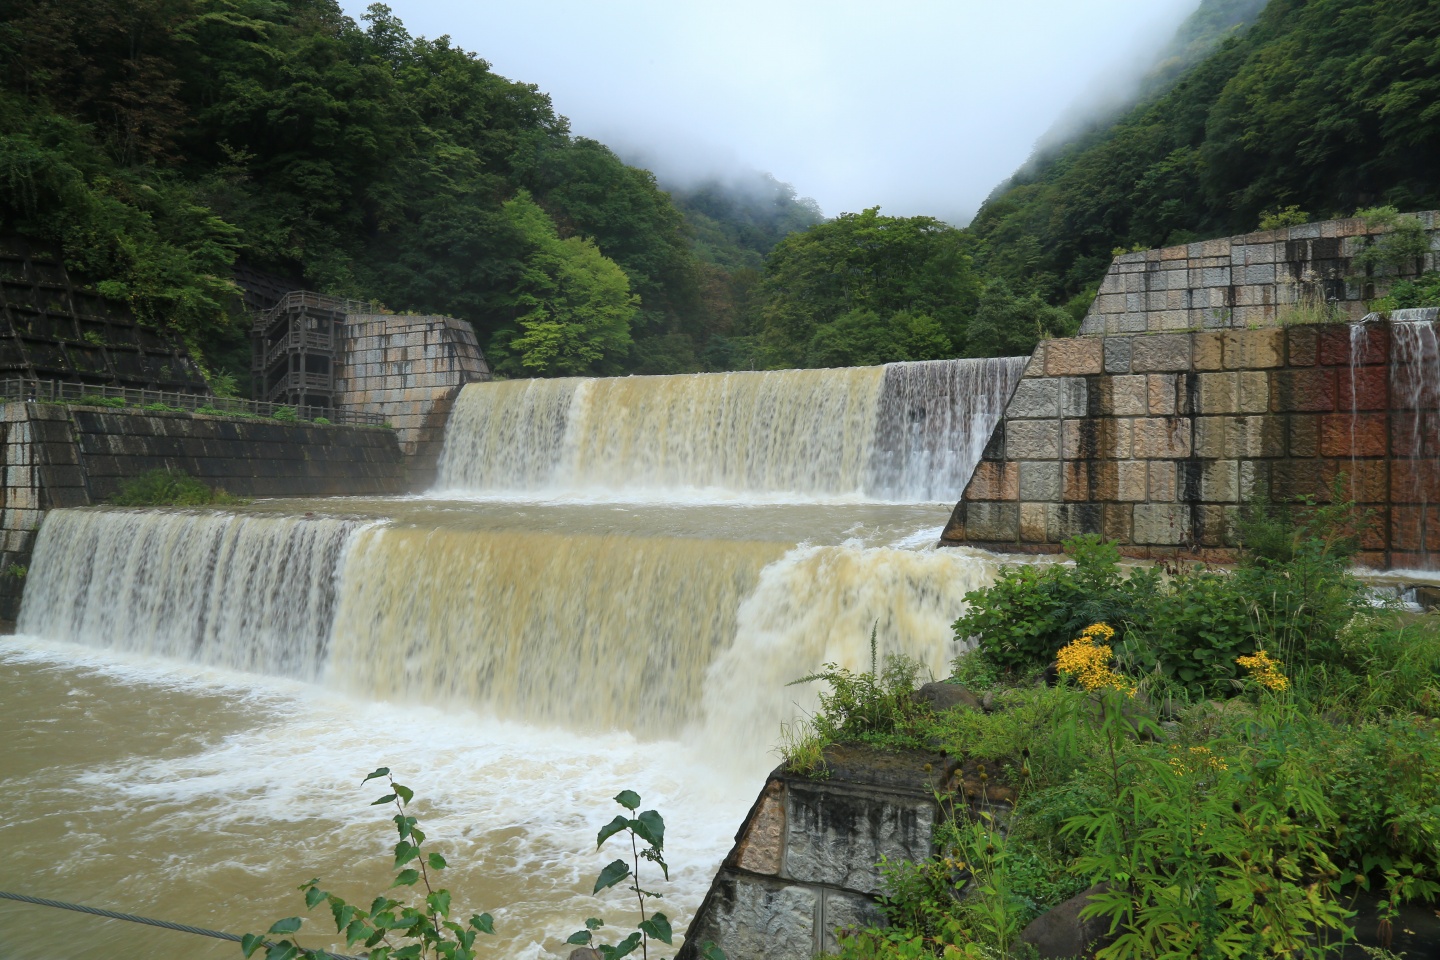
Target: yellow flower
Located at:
point(1264, 671)
point(1087, 659)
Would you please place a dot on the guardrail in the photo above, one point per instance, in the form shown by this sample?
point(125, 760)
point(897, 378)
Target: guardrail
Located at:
point(55, 391)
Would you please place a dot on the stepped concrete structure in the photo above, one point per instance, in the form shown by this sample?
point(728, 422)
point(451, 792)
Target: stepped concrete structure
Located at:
point(1188, 395)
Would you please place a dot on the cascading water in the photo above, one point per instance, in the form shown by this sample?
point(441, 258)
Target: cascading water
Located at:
point(1414, 398)
point(247, 593)
point(526, 657)
point(907, 431)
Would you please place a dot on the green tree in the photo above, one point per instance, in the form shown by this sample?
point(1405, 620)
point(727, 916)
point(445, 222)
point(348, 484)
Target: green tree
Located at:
point(573, 306)
point(1009, 325)
point(857, 286)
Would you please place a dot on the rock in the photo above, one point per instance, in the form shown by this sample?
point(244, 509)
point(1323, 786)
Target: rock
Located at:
point(585, 953)
point(1427, 596)
point(988, 702)
point(1059, 932)
point(942, 695)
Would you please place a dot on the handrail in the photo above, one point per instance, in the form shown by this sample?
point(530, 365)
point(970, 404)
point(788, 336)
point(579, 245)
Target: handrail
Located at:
point(56, 391)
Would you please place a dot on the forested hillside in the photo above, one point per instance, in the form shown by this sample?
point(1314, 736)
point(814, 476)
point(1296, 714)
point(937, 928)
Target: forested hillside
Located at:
point(1323, 105)
point(160, 140)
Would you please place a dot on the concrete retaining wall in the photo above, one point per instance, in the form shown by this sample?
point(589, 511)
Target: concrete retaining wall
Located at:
point(804, 861)
point(1155, 441)
point(409, 370)
point(67, 456)
point(1245, 281)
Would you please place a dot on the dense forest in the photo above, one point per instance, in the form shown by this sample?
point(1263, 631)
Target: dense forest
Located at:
point(160, 142)
point(1325, 106)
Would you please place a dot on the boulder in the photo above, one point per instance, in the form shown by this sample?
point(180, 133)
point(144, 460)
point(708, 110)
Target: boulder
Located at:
point(942, 695)
point(1059, 932)
point(585, 953)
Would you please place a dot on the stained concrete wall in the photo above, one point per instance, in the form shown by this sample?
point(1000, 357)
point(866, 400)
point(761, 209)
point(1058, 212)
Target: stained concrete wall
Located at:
point(70, 456)
point(1247, 280)
point(1156, 440)
point(408, 369)
point(805, 860)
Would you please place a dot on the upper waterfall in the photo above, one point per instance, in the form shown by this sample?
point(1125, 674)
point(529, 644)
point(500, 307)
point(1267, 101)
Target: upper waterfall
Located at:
point(905, 431)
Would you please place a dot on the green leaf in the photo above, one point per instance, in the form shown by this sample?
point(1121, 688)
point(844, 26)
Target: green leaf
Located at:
point(708, 951)
point(417, 834)
point(628, 799)
point(284, 950)
point(579, 938)
point(610, 829)
point(313, 896)
point(436, 861)
point(658, 927)
point(379, 772)
point(356, 930)
point(439, 902)
point(594, 923)
point(611, 875)
point(405, 792)
point(288, 925)
point(621, 949)
point(251, 942)
point(406, 878)
point(651, 828)
point(405, 852)
point(388, 798)
point(342, 912)
point(484, 923)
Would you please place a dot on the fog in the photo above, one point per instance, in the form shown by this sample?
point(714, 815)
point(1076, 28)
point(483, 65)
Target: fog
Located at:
point(919, 106)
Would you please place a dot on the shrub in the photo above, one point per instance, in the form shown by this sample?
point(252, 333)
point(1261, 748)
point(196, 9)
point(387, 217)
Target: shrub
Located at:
point(1031, 611)
point(161, 488)
point(284, 413)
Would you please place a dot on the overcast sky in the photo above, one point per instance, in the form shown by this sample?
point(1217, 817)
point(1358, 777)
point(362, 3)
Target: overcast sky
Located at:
point(920, 106)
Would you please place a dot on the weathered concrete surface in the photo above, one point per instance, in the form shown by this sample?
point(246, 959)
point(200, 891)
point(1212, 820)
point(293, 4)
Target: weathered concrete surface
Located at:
point(1160, 450)
point(804, 861)
point(1240, 282)
point(408, 369)
point(70, 456)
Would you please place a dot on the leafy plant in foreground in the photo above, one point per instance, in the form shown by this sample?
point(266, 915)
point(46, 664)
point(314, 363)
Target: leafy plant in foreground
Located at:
point(390, 929)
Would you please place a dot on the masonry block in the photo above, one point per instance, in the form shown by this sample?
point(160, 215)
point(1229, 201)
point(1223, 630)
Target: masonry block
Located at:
point(1162, 479)
point(1254, 349)
point(1032, 520)
point(1162, 524)
point(1254, 391)
point(1117, 354)
point(1208, 351)
point(1220, 481)
point(1074, 397)
point(994, 480)
point(1075, 356)
point(1066, 520)
point(1035, 398)
point(1032, 440)
point(1219, 393)
point(1128, 395)
point(1162, 353)
point(1160, 394)
point(994, 522)
point(1039, 481)
point(1357, 435)
point(1305, 390)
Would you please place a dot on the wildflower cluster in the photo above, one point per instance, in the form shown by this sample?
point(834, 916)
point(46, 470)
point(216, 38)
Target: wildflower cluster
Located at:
point(1087, 659)
point(1264, 671)
point(1196, 758)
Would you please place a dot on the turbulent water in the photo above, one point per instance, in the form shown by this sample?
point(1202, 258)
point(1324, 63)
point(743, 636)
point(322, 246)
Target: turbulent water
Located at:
point(196, 694)
point(908, 431)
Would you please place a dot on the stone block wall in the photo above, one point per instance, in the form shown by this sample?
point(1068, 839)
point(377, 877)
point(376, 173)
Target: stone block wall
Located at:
point(409, 370)
point(804, 860)
point(69, 456)
point(1156, 440)
point(1244, 281)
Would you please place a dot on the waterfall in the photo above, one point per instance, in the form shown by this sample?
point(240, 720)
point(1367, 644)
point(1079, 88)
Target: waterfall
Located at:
point(1415, 431)
point(592, 632)
point(251, 593)
point(905, 431)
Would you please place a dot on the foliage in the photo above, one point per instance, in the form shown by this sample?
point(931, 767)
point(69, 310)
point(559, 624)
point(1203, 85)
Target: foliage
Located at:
point(392, 929)
point(1315, 105)
point(871, 706)
point(1423, 291)
point(1030, 611)
point(163, 488)
point(1280, 217)
point(1208, 851)
point(574, 307)
point(161, 141)
point(865, 288)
